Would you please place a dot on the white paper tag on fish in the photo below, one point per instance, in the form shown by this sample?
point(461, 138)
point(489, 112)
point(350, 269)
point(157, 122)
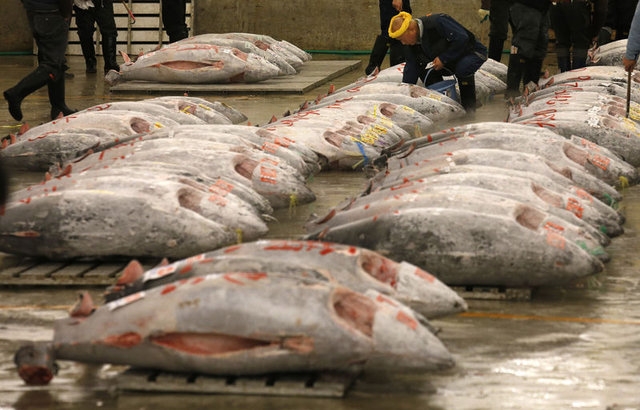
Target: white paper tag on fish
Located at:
point(127, 300)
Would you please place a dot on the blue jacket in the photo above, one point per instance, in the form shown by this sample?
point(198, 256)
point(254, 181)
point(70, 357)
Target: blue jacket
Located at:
point(442, 37)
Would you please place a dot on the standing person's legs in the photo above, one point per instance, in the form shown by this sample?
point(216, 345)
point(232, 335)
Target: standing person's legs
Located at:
point(559, 15)
point(534, 68)
point(579, 22)
point(499, 28)
point(526, 24)
point(173, 19)
point(50, 32)
point(85, 21)
point(109, 33)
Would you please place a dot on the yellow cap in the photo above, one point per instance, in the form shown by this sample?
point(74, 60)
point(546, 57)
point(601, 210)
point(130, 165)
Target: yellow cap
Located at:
point(406, 19)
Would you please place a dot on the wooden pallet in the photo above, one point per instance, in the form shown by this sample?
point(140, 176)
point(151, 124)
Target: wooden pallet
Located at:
point(492, 292)
point(15, 271)
point(308, 385)
point(313, 74)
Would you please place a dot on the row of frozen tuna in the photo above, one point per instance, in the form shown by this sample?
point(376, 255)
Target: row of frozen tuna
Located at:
point(490, 79)
point(214, 59)
point(259, 308)
point(185, 160)
point(590, 102)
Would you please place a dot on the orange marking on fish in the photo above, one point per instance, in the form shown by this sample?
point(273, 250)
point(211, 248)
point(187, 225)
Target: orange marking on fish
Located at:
point(556, 240)
point(575, 207)
point(232, 248)
point(404, 318)
point(168, 289)
point(383, 299)
point(270, 147)
point(424, 275)
point(197, 280)
point(600, 162)
point(553, 227)
point(230, 278)
point(582, 194)
point(186, 269)
point(268, 175)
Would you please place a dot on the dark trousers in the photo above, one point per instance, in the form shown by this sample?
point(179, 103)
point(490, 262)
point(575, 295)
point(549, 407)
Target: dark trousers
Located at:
point(571, 21)
point(102, 14)
point(499, 28)
point(174, 14)
point(50, 32)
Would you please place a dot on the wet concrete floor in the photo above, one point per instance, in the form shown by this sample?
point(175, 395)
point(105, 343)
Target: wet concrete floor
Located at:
point(573, 347)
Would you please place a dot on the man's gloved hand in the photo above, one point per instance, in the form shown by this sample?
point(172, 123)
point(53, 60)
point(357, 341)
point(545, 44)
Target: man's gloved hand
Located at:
point(483, 14)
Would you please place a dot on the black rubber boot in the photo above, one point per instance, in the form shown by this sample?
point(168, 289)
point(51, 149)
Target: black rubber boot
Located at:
point(89, 53)
point(495, 49)
point(579, 58)
point(564, 61)
point(532, 71)
point(378, 53)
point(467, 87)
point(178, 35)
point(32, 82)
point(109, 54)
point(57, 98)
point(515, 71)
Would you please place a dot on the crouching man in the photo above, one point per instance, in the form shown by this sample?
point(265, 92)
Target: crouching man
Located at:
point(442, 41)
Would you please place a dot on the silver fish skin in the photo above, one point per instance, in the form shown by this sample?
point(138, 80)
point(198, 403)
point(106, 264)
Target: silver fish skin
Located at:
point(610, 54)
point(271, 143)
point(518, 161)
point(295, 56)
point(602, 73)
point(246, 323)
point(341, 144)
point(436, 106)
point(562, 151)
point(558, 202)
point(496, 68)
point(213, 134)
point(194, 64)
point(154, 110)
point(74, 135)
point(217, 186)
point(56, 147)
point(575, 100)
point(619, 135)
point(245, 46)
point(467, 248)
point(279, 183)
point(165, 219)
point(208, 111)
point(356, 268)
point(472, 199)
point(563, 187)
point(608, 87)
point(404, 117)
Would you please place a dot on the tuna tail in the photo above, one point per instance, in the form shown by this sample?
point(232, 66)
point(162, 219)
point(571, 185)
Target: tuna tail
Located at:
point(113, 78)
